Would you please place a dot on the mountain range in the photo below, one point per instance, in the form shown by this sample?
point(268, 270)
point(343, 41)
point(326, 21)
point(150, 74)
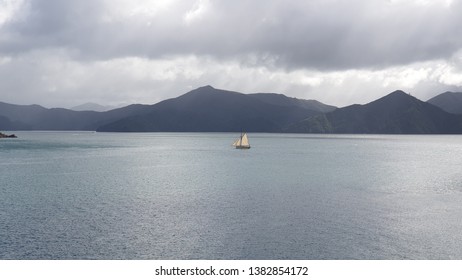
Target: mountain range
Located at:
point(207, 109)
point(396, 113)
point(215, 110)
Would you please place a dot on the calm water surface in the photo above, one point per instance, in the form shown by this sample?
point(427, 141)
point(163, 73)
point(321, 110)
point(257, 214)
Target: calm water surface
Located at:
point(81, 195)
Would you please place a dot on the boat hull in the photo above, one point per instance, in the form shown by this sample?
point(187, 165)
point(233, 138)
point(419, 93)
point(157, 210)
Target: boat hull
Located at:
point(243, 147)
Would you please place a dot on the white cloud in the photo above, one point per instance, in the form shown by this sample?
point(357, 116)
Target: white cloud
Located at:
point(200, 8)
point(5, 60)
point(8, 8)
point(405, 77)
point(136, 8)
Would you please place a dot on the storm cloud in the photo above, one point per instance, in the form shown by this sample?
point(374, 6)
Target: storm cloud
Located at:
point(68, 52)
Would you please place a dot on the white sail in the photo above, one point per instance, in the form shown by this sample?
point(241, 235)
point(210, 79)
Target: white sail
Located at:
point(245, 140)
point(242, 142)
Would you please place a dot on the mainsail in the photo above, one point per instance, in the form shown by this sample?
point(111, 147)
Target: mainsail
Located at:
point(242, 142)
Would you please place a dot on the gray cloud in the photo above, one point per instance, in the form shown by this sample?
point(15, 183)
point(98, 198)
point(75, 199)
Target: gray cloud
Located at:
point(301, 34)
point(116, 51)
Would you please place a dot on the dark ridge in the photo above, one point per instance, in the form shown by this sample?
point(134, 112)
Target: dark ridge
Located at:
point(396, 113)
point(207, 109)
point(450, 102)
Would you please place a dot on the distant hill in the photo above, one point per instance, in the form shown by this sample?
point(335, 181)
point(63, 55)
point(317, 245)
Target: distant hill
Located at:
point(92, 107)
point(395, 113)
point(5, 123)
point(19, 117)
point(35, 117)
point(213, 110)
point(450, 102)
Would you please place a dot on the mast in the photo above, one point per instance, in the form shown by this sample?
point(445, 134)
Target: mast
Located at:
point(242, 142)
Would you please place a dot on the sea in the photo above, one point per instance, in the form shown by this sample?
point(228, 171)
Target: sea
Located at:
point(88, 195)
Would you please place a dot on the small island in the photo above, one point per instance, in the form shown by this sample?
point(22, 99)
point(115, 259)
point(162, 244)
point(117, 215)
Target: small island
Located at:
point(7, 136)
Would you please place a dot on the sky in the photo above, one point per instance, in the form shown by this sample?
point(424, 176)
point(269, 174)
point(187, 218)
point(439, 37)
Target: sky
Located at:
point(117, 52)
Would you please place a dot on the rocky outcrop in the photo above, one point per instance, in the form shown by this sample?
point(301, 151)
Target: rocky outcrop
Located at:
point(7, 136)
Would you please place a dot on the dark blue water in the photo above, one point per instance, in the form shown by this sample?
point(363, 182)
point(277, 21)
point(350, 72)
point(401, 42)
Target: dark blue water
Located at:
point(70, 195)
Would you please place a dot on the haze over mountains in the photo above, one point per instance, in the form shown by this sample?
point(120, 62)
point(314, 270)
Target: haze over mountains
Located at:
point(35, 117)
point(90, 106)
point(207, 109)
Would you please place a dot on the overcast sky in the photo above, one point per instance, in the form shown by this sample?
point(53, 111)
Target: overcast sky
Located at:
point(64, 53)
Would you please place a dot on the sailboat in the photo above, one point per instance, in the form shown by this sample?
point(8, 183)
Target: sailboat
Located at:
point(242, 142)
